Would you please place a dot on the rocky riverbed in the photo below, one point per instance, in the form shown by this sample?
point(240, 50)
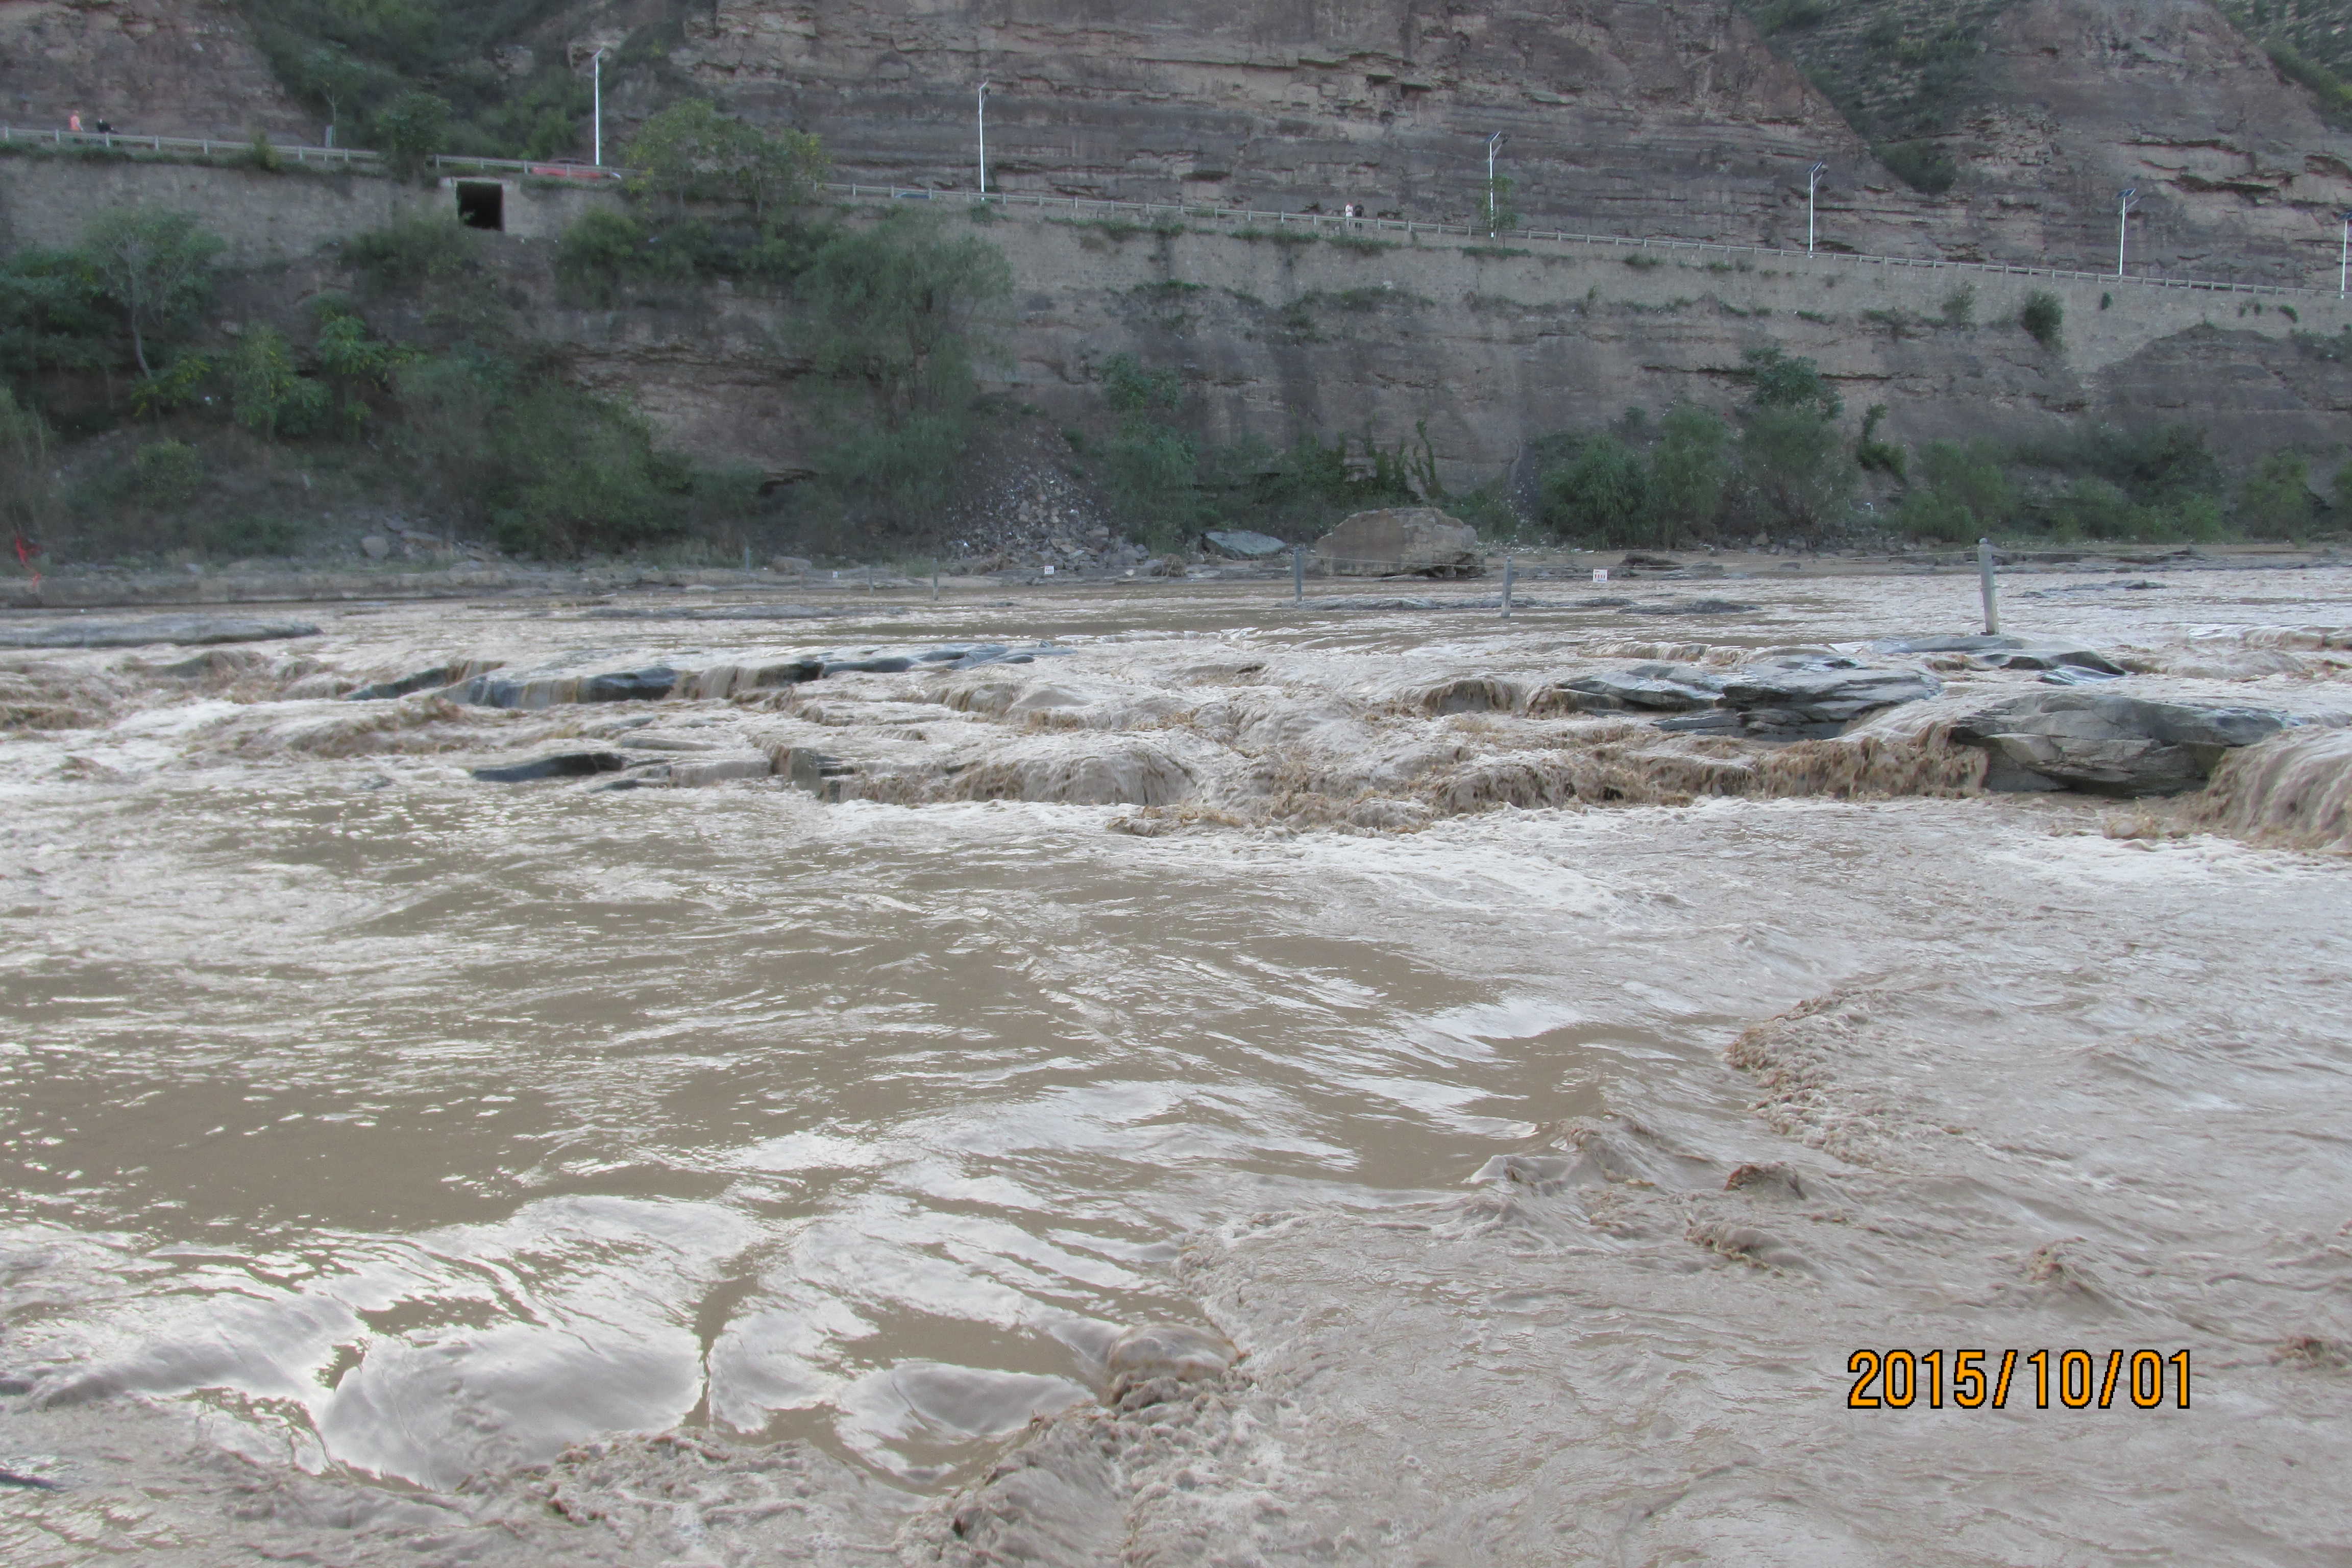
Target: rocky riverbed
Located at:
point(1168, 1075)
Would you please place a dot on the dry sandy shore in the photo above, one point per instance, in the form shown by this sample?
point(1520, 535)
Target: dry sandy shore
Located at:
point(1517, 1115)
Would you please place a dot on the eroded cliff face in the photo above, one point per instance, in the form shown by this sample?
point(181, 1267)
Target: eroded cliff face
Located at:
point(1660, 119)
point(1482, 355)
point(1619, 117)
point(2236, 174)
point(170, 68)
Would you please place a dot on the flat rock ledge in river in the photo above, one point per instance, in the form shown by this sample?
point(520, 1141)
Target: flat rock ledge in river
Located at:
point(2061, 663)
point(186, 631)
point(1650, 687)
point(2107, 743)
point(1804, 699)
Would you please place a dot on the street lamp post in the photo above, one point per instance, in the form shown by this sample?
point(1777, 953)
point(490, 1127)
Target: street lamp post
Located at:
point(1494, 199)
point(596, 92)
point(1812, 183)
point(2124, 199)
point(982, 100)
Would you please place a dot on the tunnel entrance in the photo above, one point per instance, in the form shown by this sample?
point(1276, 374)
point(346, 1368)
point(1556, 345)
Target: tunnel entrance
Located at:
point(482, 204)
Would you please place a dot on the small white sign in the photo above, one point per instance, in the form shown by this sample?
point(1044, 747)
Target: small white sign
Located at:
point(1049, 571)
point(1600, 574)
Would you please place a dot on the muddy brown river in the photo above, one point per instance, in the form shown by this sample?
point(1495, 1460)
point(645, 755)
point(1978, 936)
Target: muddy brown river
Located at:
point(1173, 1078)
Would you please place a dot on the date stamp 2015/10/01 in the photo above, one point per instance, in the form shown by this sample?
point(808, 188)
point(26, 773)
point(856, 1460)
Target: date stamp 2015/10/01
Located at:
point(1897, 1379)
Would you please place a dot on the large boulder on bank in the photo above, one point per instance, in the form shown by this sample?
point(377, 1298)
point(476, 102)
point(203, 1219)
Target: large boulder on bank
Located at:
point(2107, 743)
point(1417, 541)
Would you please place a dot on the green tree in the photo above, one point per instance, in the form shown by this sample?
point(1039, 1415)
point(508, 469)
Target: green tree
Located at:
point(1600, 495)
point(2275, 498)
point(1964, 492)
point(412, 129)
point(1689, 469)
point(155, 266)
point(904, 315)
point(1795, 469)
point(1150, 468)
point(690, 151)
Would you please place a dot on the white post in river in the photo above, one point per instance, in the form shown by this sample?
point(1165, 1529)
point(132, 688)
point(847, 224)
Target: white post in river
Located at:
point(1298, 574)
point(1984, 577)
point(1506, 587)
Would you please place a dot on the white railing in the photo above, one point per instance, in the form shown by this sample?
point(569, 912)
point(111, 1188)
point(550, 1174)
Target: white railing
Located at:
point(1091, 209)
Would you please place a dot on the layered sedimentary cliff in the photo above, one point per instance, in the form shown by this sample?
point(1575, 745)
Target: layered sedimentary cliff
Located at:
point(1639, 118)
point(1619, 117)
point(170, 68)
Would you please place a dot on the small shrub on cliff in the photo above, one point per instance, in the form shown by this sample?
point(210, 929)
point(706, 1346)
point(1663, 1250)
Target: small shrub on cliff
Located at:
point(1778, 379)
point(1873, 452)
point(604, 251)
point(166, 474)
point(267, 394)
point(52, 314)
point(2043, 317)
point(1924, 166)
point(25, 496)
point(410, 252)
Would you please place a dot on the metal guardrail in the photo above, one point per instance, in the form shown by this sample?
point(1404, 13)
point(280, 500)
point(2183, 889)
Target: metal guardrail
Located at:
point(297, 153)
point(1096, 208)
point(1085, 208)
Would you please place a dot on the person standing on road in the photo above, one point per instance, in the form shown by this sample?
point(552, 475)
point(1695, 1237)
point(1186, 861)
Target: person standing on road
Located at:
point(73, 121)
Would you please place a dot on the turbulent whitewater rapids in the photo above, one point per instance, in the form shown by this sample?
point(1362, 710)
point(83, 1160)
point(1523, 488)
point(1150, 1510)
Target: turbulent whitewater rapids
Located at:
point(1181, 1079)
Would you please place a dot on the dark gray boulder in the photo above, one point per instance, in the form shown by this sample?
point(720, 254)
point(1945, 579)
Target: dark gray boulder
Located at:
point(384, 690)
point(893, 665)
point(545, 689)
point(563, 766)
point(2107, 743)
point(1648, 687)
point(1820, 697)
